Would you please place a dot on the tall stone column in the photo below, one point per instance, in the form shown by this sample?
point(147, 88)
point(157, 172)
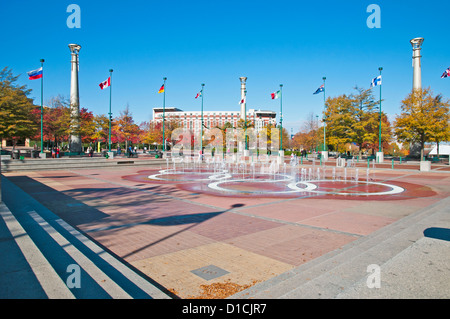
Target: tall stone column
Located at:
point(417, 85)
point(243, 105)
point(417, 73)
point(75, 138)
point(243, 79)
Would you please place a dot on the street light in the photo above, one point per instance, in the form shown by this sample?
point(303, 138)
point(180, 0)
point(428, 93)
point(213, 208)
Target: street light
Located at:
point(42, 106)
point(110, 114)
point(201, 139)
point(323, 118)
point(379, 142)
point(281, 117)
point(164, 114)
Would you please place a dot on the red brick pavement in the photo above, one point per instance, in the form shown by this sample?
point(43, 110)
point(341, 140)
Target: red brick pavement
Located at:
point(167, 231)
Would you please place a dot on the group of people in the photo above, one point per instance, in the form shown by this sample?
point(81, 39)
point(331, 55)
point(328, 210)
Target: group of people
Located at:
point(55, 152)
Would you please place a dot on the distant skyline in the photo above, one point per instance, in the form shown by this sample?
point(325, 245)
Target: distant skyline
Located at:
point(293, 43)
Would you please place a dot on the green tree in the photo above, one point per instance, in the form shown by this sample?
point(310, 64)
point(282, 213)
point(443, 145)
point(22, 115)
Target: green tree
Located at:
point(424, 118)
point(16, 109)
point(340, 120)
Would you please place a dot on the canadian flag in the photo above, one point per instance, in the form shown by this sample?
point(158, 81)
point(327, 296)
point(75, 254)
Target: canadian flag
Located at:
point(105, 83)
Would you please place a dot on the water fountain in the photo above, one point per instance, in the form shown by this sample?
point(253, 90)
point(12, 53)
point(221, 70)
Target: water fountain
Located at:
point(267, 176)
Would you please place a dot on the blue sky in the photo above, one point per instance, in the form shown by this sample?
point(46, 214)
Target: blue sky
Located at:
point(295, 43)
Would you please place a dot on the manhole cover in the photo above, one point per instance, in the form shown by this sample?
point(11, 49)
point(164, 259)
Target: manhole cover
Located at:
point(209, 272)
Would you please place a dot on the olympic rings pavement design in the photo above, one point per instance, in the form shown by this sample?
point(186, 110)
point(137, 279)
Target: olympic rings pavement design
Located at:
point(223, 176)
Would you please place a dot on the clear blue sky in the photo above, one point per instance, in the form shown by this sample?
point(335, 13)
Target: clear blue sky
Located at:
point(214, 42)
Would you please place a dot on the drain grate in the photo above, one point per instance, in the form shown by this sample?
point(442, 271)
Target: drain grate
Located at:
point(209, 272)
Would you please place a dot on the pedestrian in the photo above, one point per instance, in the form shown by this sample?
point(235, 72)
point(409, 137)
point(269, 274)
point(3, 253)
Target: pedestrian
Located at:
point(57, 152)
point(53, 152)
point(91, 152)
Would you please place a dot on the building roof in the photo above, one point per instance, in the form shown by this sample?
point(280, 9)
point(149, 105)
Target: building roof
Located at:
point(443, 150)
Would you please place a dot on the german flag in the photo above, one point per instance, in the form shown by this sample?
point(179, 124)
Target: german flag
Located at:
point(161, 89)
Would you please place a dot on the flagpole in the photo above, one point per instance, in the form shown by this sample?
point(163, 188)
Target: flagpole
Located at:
point(201, 136)
point(323, 117)
point(164, 114)
point(110, 114)
point(42, 106)
point(281, 117)
point(379, 142)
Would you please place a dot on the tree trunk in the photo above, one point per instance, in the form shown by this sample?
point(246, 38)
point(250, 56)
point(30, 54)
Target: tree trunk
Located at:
point(437, 145)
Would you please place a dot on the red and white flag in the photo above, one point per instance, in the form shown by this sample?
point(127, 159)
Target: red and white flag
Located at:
point(446, 73)
point(105, 83)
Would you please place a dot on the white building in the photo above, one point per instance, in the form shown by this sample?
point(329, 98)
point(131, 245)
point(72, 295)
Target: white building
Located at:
point(192, 119)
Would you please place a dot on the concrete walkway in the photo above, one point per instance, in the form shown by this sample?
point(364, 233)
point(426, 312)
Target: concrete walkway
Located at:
point(407, 259)
point(44, 257)
point(133, 238)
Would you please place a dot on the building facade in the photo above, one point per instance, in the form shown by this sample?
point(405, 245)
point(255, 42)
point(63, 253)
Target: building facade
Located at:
point(192, 119)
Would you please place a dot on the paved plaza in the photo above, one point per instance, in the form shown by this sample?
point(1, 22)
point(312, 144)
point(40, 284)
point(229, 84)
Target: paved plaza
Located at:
point(191, 242)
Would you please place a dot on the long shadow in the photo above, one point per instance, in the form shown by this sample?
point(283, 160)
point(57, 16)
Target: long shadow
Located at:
point(437, 233)
point(193, 219)
point(65, 205)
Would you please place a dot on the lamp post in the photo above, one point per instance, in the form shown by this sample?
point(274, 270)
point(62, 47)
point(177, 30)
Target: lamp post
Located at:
point(164, 115)
point(379, 138)
point(324, 152)
point(281, 118)
point(42, 106)
point(110, 114)
point(201, 136)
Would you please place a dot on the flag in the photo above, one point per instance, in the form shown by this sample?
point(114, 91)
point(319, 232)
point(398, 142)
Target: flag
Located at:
point(105, 83)
point(320, 89)
point(198, 94)
point(35, 74)
point(376, 81)
point(275, 95)
point(161, 89)
point(242, 101)
point(446, 73)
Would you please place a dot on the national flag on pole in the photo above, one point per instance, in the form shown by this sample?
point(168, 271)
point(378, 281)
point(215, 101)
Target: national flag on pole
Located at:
point(35, 74)
point(242, 101)
point(376, 81)
point(105, 83)
point(320, 89)
point(446, 73)
point(199, 94)
point(275, 95)
point(161, 89)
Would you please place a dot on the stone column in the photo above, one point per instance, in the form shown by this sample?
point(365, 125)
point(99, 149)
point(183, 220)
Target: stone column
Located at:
point(243, 105)
point(241, 146)
point(75, 138)
point(417, 74)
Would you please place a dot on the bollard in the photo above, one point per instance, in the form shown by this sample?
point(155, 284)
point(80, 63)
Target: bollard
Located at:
point(392, 163)
point(368, 163)
point(400, 159)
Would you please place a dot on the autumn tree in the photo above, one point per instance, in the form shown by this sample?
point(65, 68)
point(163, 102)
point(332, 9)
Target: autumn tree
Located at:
point(56, 120)
point(101, 124)
point(16, 118)
point(424, 118)
point(124, 129)
point(339, 119)
point(309, 136)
